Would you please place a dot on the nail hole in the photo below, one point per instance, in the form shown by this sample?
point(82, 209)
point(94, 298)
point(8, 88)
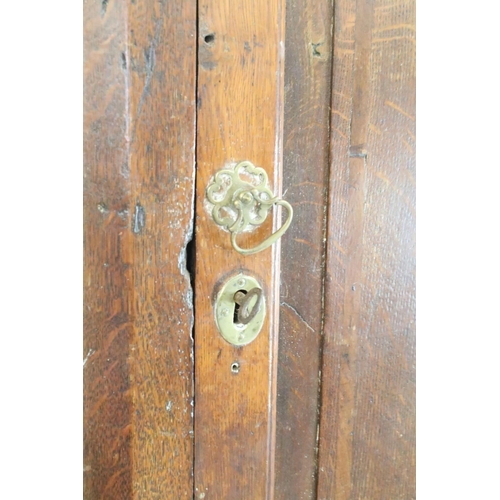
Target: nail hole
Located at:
point(316, 52)
point(209, 39)
point(235, 367)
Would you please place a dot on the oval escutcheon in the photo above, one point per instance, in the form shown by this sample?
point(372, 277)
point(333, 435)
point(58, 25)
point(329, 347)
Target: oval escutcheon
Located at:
point(240, 310)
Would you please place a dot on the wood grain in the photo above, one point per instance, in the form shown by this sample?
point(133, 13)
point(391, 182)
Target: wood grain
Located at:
point(140, 65)
point(139, 148)
point(305, 180)
point(108, 323)
point(367, 443)
point(239, 118)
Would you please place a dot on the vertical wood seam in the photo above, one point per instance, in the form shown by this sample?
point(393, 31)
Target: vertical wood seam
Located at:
point(193, 240)
point(327, 235)
point(327, 210)
point(276, 256)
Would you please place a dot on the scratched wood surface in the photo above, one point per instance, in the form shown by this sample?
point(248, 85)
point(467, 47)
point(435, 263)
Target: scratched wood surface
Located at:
point(139, 136)
point(107, 238)
point(308, 48)
point(239, 118)
point(367, 430)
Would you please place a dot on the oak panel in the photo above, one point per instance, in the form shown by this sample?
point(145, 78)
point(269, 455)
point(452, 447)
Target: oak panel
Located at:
point(305, 180)
point(140, 68)
point(108, 323)
point(239, 118)
point(367, 446)
point(162, 60)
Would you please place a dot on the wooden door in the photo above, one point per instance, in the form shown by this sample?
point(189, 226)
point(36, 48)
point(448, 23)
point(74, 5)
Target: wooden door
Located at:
point(322, 97)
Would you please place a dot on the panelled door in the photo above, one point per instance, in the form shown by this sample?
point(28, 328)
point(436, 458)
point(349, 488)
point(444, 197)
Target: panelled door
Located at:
point(249, 202)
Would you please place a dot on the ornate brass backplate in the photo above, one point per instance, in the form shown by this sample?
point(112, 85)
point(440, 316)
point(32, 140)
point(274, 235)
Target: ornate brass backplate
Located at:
point(241, 198)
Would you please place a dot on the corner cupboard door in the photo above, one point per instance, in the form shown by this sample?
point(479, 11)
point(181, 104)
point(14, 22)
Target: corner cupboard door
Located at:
point(232, 351)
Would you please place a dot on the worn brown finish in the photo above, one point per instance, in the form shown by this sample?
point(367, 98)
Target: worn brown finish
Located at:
point(367, 447)
point(108, 324)
point(339, 286)
point(305, 181)
point(140, 64)
point(239, 118)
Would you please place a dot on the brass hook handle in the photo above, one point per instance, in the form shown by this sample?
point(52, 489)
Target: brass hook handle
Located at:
point(239, 204)
point(269, 240)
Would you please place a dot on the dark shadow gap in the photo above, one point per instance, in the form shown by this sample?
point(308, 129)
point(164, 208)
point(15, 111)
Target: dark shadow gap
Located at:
point(191, 247)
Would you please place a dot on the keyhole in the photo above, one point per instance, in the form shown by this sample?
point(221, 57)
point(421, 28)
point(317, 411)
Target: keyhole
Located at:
point(243, 300)
point(241, 294)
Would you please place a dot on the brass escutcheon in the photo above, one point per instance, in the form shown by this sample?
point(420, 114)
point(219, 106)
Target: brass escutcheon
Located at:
point(240, 309)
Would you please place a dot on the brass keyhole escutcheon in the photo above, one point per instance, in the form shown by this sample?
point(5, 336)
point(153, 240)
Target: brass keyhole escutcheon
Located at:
point(240, 310)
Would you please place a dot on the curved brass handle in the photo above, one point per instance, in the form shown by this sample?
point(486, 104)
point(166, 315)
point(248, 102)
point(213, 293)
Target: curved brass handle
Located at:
point(239, 203)
point(271, 239)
